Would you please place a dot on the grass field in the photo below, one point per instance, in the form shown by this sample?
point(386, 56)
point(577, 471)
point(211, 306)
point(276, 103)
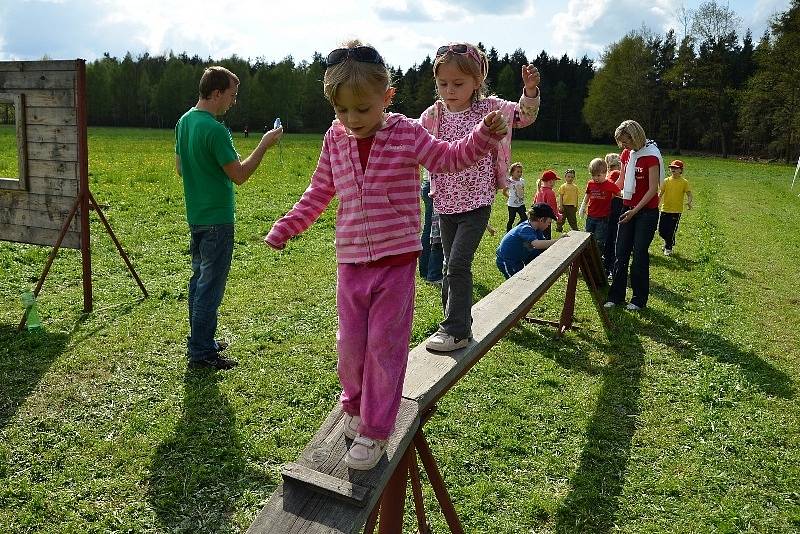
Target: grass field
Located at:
point(686, 419)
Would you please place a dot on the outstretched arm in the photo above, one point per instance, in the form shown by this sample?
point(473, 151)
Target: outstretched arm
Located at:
point(240, 171)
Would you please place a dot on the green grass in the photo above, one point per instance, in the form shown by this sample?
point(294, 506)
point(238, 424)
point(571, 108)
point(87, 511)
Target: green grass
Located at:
point(9, 165)
point(684, 420)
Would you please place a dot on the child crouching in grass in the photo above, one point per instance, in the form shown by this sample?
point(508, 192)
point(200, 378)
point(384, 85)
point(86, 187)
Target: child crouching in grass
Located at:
point(525, 241)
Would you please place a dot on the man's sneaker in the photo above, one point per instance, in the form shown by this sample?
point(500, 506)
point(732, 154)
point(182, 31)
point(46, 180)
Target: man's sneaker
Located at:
point(437, 283)
point(213, 362)
point(667, 252)
point(350, 426)
point(220, 345)
point(609, 304)
point(365, 453)
point(444, 342)
point(633, 307)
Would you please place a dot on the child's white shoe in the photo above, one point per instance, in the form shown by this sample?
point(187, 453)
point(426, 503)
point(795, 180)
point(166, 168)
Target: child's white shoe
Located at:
point(350, 425)
point(633, 307)
point(365, 453)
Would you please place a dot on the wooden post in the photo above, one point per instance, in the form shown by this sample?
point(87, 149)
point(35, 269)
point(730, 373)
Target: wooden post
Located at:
point(83, 182)
point(437, 482)
point(568, 311)
point(393, 500)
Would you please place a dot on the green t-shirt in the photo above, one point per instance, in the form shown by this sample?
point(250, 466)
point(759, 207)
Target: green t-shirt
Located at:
point(204, 146)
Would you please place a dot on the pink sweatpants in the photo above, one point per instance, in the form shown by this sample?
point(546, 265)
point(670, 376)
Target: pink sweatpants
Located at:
point(376, 308)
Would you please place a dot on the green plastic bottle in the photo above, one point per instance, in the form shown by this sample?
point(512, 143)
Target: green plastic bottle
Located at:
point(32, 319)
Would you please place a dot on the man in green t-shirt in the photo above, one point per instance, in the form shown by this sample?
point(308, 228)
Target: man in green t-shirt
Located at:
point(209, 165)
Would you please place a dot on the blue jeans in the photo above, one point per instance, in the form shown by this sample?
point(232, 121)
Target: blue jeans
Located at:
point(634, 237)
point(598, 226)
point(425, 240)
point(212, 249)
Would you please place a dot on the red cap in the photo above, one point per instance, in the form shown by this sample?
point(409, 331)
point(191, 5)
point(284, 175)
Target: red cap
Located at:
point(548, 175)
point(677, 163)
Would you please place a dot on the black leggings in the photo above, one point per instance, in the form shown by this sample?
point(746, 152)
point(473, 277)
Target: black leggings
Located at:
point(512, 214)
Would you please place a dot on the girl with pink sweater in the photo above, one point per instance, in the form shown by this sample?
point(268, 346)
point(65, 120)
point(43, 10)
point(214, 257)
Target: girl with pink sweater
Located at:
point(464, 199)
point(370, 160)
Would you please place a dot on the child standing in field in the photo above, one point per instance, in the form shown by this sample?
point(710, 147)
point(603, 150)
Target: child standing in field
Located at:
point(546, 195)
point(671, 194)
point(597, 201)
point(464, 199)
point(526, 241)
point(515, 193)
point(568, 201)
point(370, 160)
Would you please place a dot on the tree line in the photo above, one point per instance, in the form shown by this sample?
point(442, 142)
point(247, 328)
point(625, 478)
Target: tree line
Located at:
point(709, 90)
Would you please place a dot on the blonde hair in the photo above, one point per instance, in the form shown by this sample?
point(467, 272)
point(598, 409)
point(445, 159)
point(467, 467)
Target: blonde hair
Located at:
point(598, 166)
point(466, 64)
point(633, 130)
point(514, 166)
point(612, 160)
point(360, 77)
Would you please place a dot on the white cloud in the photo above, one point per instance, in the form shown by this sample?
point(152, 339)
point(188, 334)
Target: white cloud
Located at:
point(586, 27)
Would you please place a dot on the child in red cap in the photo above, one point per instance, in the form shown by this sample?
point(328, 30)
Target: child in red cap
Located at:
point(671, 195)
point(548, 196)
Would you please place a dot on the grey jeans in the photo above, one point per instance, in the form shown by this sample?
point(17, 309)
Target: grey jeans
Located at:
point(461, 234)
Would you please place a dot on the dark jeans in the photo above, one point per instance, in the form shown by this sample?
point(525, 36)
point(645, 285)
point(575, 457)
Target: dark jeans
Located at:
point(610, 252)
point(425, 239)
point(598, 228)
point(634, 237)
point(668, 228)
point(212, 249)
point(461, 235)
point(570, 216)
point(512, 215)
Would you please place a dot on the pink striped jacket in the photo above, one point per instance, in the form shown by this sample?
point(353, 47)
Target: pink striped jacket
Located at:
point(382, 216)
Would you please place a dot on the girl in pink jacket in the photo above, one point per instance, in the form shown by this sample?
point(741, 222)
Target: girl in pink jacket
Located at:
point(370, 160)
point(464, 199)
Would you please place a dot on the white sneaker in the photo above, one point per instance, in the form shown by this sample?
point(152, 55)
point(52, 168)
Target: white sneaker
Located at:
point(444, 342)
point(632, 307)
point(667, 252)
point(609, 304)
point(365, 453)
point(350, 425)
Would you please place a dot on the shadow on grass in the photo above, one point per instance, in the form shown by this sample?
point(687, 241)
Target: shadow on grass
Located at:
point(25, 358)
point(667, 295)
point(199, 472)
point(592, 503)
point(690, 342)
point(564, 351)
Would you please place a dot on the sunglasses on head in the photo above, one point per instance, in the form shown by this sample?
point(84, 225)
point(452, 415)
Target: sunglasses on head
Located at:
point(362, 54)
point(454, 48)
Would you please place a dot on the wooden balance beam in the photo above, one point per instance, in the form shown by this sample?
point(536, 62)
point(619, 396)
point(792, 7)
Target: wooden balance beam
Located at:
point(319, 494)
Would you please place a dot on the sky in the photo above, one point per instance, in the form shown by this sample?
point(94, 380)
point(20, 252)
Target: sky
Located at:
point(404, 32)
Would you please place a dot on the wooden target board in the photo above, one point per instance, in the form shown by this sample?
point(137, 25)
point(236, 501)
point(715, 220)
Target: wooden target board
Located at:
point(50, 141)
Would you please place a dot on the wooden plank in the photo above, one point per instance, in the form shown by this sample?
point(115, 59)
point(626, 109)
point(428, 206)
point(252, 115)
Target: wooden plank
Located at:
point(50, 98)
point(53, 186)
point(64, 170)
point(25, 200)
point(429, 375)
point(53, 151)
point(21, 81)
point(326, 484)
point(51, 116)
point(52, 219)
point(27, 66)
point(39, 133)
point(295, 508)
point(38, 236)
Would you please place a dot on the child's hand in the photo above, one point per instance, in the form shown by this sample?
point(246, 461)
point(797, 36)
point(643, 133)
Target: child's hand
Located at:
point(496, 123)
point(531, 79)
point(276, 247)
point(272, 136)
